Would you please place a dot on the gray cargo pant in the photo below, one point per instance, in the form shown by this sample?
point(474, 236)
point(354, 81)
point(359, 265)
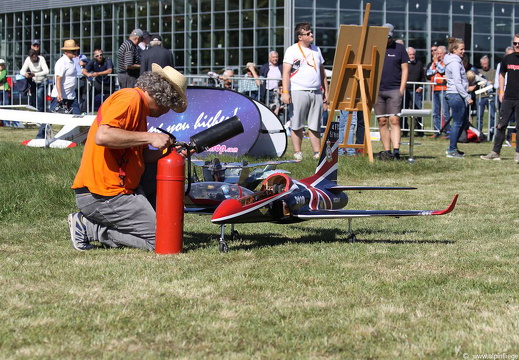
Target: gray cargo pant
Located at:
point(122, 220)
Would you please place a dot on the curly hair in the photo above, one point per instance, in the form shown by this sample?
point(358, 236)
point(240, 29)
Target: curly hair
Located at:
point(160, 89)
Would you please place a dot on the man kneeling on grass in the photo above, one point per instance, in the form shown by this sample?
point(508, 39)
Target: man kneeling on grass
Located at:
point(113, 207)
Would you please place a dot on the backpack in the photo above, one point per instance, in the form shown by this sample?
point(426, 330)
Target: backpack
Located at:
point(471, 134)
point(21, 85)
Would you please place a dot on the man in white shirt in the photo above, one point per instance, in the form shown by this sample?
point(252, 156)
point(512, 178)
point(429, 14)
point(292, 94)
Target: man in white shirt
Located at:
point(303, 79)
point(64, 91)
point(272, 71)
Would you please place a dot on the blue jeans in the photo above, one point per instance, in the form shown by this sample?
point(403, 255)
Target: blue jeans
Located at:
point(491, 105)
point(4, 97)
point(37, 98)
point(254, 94)
point(440, 107)
point(343, 119)
point(460, 118)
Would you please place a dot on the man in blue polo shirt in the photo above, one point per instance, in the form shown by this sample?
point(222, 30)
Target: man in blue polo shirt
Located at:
point(389, 102)
point(98, 69)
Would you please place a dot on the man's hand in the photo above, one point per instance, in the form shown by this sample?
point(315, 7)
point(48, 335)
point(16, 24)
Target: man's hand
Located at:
point(160, 141)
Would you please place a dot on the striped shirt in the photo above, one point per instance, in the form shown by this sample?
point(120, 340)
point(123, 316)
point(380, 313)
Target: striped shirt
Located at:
point(128, 55)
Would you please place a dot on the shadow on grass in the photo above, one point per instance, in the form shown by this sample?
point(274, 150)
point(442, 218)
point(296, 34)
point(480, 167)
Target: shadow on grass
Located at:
point(193, 240)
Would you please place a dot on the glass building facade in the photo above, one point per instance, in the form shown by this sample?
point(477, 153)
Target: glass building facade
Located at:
point(210, 35)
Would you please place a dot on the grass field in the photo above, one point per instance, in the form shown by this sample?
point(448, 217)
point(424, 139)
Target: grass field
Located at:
point(423, 287)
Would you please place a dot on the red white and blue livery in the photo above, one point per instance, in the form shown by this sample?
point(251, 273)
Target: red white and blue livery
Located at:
point(282, 199)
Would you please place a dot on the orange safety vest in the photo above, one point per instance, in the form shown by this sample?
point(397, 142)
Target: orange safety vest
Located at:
point(440, 81)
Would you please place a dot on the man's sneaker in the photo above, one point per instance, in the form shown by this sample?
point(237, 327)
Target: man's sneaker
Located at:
point(492, 156)
point(455, 154)
point(517, 157)
point(384, 155)
point(298, 155)
point(316, 155)
point(78, 232)
point(462, 153)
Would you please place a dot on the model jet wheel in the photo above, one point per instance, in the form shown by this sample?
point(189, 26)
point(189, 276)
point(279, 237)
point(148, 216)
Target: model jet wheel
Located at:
point(235, 235)
point(223, 247)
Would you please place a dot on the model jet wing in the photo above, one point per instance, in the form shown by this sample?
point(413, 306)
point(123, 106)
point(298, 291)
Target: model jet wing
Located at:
point(338, 214)
point(241, 165)
point(46, 117)
point(69, 135)
point(359, 188)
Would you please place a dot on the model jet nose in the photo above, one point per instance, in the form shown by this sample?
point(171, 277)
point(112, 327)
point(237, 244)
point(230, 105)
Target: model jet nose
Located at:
point(226, 209)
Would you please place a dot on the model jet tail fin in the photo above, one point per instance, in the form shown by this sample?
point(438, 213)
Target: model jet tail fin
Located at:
point(449, 209)
point(327, 166)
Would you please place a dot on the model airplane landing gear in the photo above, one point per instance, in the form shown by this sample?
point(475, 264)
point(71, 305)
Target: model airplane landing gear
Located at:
point(235, 235)
point(351, 236)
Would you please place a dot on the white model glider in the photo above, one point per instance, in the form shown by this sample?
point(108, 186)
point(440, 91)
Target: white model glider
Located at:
point(69, 136)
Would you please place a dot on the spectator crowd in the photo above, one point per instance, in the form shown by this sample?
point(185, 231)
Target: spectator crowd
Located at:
point(80, 85)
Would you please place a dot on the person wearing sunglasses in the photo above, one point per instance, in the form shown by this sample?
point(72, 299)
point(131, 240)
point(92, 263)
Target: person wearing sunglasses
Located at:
point(98, 69)
point(509, 97)
point(305, 86)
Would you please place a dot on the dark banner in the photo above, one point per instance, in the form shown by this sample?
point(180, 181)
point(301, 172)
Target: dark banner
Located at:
point(208, 107)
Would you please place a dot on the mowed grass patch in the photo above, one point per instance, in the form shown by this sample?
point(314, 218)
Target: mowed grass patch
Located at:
point(421, 287)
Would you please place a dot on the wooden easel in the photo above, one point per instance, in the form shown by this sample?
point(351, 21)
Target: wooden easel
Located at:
point(357, 66)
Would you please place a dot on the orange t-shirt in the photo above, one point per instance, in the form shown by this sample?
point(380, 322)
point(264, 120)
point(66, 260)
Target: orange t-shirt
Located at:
point(101, 168)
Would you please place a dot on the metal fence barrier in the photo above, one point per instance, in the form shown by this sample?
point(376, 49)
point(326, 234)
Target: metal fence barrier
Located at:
point(91, 95)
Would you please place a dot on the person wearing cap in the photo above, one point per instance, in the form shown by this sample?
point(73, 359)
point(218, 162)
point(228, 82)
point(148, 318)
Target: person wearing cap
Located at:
point(251, 84)
point(113, 209)
point(391, 91)
point(144, 44)
point(128, 58)
point(156, 54)
point(35, 45)
point(4, 85)
point(65, 78)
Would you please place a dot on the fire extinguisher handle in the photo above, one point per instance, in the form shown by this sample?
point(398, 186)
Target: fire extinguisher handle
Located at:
point(173, 138)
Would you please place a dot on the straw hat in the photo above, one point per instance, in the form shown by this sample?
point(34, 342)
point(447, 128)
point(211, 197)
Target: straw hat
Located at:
point(70, 44)
point(176, 79)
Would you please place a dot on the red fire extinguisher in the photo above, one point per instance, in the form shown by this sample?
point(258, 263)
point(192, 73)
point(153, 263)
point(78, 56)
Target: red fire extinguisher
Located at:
point(170, 204)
